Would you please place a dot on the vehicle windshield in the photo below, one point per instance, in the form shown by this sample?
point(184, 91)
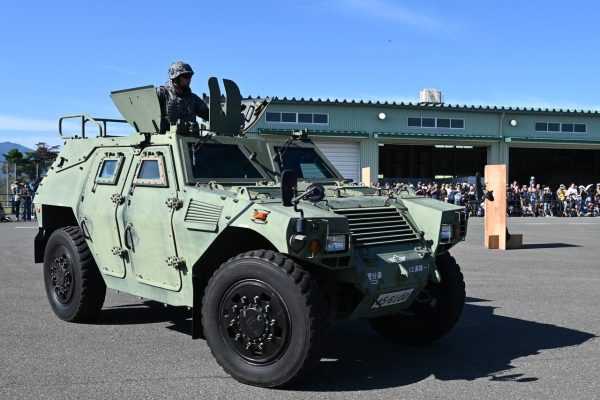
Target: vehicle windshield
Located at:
point(306, 162)
point(220, 161)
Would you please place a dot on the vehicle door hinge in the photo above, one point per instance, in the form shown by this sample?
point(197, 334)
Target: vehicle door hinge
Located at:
point(117, 199)
point(175, 262)
point(174, 203)
point(118, 251)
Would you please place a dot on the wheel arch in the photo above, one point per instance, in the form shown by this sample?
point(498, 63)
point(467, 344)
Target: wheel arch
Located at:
point(231, 242)
point(54, 217)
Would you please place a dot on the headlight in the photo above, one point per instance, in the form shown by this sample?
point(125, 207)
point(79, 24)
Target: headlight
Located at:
point(446, 233)
point(336, 243)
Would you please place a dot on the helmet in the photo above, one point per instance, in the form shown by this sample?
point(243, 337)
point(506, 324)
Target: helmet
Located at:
point(179, 68)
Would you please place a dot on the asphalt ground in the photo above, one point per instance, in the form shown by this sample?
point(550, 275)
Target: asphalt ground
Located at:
point(529, 330)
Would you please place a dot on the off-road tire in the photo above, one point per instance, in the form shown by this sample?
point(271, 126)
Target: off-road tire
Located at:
point(429, 321)
point(294, 296)
point(74, 285)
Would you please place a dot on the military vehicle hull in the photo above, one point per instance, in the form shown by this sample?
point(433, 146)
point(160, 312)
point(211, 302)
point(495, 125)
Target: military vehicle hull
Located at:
point(206, 221)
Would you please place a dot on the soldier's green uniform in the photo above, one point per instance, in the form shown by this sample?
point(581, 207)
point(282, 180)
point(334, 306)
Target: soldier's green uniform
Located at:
point(179, 105)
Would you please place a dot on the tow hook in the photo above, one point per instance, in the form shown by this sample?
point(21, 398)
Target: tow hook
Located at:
point(423, 251)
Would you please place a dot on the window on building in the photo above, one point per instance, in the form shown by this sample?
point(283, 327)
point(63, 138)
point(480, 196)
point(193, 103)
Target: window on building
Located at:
point(414, 122)
point(304, 118)
point(442, 123)
point(457, 123)
point(428, 122)
point(288, 117)
point(560, 127)
point(297, 118)
point(553, 127)
point(320, 118)
point(567, 128)
point(273, 117)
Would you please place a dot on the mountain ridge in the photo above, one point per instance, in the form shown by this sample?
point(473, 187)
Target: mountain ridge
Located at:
point(5, 147)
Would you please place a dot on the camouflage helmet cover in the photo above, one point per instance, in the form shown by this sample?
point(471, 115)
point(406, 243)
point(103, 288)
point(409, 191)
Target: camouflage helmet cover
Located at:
point(179, 68)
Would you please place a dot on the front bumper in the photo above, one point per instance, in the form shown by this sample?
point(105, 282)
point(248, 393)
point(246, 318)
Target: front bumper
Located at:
point(390, 279)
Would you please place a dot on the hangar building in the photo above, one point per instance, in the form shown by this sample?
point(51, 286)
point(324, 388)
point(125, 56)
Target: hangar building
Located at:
point(431, 139)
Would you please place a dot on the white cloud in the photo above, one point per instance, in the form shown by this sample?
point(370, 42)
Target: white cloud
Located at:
point(393, 12)
point(123, 70)
point(12, 123)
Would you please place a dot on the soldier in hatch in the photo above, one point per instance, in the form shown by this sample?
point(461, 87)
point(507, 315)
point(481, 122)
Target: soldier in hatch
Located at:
point(177, 102)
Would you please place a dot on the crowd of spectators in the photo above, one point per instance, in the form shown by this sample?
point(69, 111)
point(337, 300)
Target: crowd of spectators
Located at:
point(538, 200)
point(21, 195)
point(534, 199)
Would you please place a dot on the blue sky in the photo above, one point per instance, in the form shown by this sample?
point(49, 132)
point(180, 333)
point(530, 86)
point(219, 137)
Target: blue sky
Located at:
point(65, 57)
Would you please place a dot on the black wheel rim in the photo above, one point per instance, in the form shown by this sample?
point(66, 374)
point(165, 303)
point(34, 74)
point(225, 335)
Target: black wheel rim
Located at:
point(61, 275)
point(254, 321)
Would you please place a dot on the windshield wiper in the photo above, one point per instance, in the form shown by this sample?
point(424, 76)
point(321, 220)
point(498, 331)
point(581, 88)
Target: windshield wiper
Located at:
point(198, 145)
point(296, 135)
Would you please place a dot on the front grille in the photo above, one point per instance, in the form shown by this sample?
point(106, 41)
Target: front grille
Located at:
point(378, 226)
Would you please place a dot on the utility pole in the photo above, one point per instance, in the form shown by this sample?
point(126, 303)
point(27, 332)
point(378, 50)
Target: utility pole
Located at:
point(7, 187)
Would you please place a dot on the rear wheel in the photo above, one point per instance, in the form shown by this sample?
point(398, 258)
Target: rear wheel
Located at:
point(433, 314)
point(265, 319)
point(74, 286)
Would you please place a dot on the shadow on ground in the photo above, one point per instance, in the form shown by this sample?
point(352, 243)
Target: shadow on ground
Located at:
point(148, 312)
point(546, 246)
point(482, 345)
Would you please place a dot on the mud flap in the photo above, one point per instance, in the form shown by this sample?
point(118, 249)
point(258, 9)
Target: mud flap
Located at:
point(39, 245)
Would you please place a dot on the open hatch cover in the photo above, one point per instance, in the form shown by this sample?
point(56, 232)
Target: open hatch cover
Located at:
point(140, 107)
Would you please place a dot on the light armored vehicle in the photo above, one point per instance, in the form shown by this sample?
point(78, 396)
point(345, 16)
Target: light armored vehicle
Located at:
point(263, 240)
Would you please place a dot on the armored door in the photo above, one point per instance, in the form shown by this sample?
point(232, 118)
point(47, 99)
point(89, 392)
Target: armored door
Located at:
point(147, 220)
point(99, 208)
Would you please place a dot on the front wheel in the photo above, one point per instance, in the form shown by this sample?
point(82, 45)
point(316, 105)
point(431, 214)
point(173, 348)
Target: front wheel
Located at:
point(433, 313)
point(265, 319)
point(74, 286)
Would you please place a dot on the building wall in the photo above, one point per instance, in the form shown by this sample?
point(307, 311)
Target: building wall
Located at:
point(483, 126)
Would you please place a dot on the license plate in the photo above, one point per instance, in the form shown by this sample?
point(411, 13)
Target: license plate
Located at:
point(388, 299)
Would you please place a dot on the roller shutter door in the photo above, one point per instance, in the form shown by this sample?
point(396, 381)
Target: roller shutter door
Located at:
point(344, 156)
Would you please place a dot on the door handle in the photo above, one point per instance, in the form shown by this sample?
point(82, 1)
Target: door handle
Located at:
point(84, 230)
point(127, 237)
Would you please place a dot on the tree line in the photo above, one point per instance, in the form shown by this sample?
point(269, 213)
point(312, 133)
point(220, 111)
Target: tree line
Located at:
point(32, 164)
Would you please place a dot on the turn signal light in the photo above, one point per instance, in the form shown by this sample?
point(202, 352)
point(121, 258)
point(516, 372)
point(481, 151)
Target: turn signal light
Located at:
point(260, 216)
point(315, 246)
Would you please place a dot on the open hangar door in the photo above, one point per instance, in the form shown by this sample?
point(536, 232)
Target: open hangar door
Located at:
point(345, 156)
point(552, 166)
point(430, 161)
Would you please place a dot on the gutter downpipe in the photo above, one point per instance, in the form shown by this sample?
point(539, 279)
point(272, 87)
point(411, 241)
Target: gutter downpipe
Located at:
point(502, 147)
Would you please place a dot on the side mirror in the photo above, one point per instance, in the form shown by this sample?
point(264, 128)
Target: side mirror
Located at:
point(314, 193)
point(289, 183)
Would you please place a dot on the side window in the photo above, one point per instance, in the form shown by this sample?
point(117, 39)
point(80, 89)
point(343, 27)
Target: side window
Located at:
point(109, 170)
point(150, 171)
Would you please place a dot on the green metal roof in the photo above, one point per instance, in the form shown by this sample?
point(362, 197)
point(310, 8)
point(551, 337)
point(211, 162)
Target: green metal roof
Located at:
point(438, 106)
point(403, 135)
point(551, 140)
point(268, 131)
